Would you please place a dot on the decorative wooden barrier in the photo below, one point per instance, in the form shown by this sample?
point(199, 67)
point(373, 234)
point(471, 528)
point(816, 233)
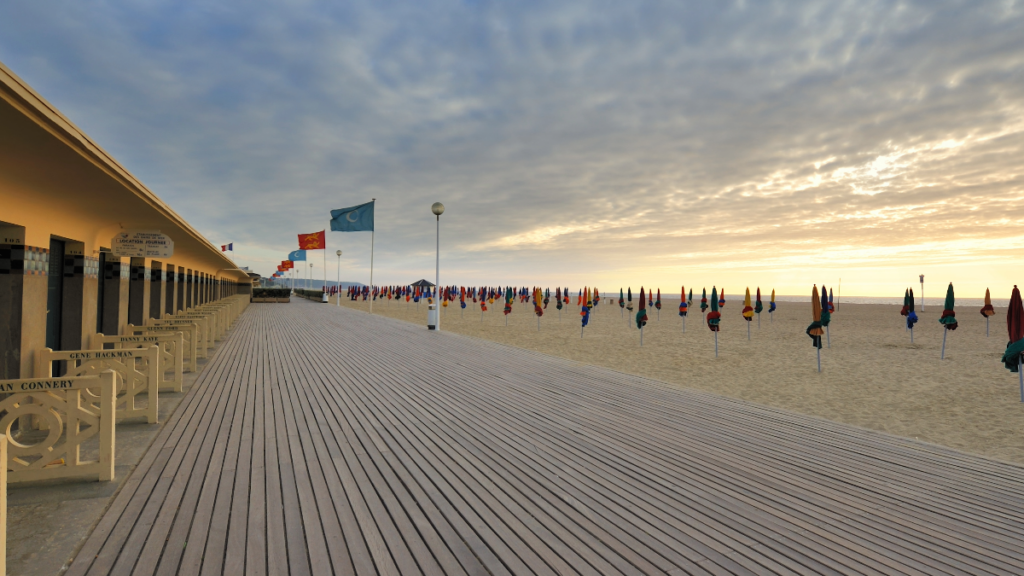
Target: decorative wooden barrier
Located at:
point(171, 346)
point(138, 373)
point(202, 344)
point(213, 319)
point(69, 410)
point(189, 334)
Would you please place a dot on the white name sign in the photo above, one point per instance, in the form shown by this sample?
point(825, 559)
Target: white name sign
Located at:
point(142, 244)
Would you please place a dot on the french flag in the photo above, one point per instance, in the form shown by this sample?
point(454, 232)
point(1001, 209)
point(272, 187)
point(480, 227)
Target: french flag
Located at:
point(227, 247)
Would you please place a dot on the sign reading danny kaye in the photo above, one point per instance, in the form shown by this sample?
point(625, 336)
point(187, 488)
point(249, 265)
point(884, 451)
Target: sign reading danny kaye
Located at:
point(142, 244)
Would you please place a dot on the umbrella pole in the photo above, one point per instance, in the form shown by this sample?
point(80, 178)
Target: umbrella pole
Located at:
point(659, 314)
point(986, 326)
point(819, 357)
point(911, 335)
point(641, 337)
point(538, 323)
point(716, 344)
point(684, 324)
point(581, 331)
point(943, 357)
point(828, 337)
point(748, 331)
point(758, 321)
point(1020, 374)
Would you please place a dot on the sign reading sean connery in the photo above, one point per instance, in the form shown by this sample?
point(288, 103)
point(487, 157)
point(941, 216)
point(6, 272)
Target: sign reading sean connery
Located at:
point(142, 244)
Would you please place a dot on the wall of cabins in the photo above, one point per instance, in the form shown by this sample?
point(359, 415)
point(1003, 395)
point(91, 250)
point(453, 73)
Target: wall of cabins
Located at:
point(62, 200)
point(57, 292)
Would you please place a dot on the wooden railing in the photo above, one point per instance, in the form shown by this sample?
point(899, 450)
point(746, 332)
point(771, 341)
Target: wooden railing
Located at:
point(189, 334)
point(172, 359)
point(56, 416)
point(137, 374)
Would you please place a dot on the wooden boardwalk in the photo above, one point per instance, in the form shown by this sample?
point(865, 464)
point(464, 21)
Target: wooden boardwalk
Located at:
point(321, 440)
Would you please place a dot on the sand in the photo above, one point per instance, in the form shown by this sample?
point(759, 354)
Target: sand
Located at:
point(871, 377)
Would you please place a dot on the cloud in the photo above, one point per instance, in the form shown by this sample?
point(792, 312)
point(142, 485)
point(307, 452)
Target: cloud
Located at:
point(584, 139)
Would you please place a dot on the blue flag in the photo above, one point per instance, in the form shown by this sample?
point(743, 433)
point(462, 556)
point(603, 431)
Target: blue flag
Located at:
point(354, 219)
point(297, 256)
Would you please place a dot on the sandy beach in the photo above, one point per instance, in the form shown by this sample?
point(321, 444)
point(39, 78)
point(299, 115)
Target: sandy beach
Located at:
point(872, 376)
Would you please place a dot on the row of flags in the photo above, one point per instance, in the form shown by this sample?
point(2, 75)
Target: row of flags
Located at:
point(353, 219)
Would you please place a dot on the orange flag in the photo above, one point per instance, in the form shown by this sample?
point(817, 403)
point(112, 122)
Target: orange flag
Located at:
point(314, 241)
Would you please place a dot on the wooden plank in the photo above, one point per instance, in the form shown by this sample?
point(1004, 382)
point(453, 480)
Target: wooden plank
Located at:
point(326, 440)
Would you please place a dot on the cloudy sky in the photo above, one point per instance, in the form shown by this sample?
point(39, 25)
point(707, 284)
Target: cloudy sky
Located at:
point(610, 143)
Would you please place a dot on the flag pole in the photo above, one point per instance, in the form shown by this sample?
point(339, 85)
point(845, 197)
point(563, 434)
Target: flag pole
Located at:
point(325, 266)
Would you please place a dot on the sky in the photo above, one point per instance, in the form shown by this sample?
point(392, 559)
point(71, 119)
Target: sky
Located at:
point(772, 144)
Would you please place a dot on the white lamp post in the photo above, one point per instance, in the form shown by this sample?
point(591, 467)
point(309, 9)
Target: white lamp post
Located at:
point(437, 208)
point(922, 292)
point(339, 277)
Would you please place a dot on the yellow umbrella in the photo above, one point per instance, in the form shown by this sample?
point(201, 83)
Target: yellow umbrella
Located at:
point(987, 310)
point(748, 311)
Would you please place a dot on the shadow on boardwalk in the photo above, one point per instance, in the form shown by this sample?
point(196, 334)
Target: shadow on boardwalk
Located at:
point(322, 440)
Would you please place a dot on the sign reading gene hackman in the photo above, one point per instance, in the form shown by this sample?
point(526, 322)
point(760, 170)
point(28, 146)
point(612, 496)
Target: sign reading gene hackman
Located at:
point(141, 244)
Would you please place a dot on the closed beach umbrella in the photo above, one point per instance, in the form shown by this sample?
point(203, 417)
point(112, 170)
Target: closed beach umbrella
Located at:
point(748, 311)
point(815, 331)
point(948, 318)
point(758, 307)
point(831, 306)
point(509, 298)
point(622, 302)
point(987, 311)
point(906, 303)
point(641, 316)
point(721, 299)
point(771, 306)
point(826, 314)
point(657, 304)
point(683, 307)
point(911, 316)
point(689, 300)
point(703, 304)
point(1014, 354)
point(629, 300)
point(585, 314)
point(714, 317)
point(537, 309)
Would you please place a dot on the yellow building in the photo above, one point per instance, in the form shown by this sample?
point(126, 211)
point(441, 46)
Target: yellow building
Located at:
point(63, 200)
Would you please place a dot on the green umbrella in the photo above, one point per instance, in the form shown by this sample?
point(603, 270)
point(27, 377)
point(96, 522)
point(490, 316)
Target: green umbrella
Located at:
point(948, 318)
point(714, 317)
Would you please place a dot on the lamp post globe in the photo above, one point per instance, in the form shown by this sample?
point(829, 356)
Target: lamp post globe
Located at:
point(437, 208)
point(338, 300)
